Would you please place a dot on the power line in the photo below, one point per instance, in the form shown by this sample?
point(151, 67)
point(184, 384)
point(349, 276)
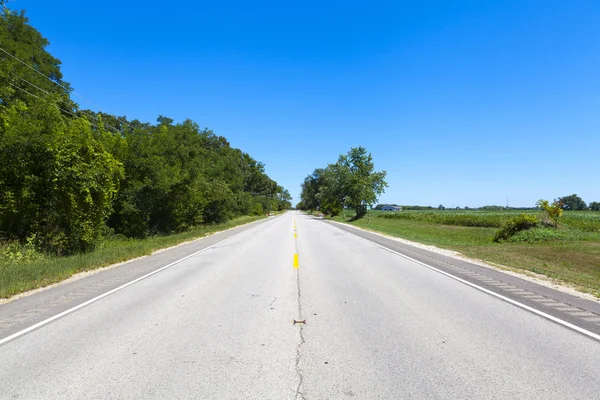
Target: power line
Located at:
point(81, 111)
point(56, 83)
point(30, 67)
point(55, 105)
point(38, 97)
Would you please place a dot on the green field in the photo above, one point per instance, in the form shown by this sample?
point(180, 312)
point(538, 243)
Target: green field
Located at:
point(569, 253)
point(23, 268)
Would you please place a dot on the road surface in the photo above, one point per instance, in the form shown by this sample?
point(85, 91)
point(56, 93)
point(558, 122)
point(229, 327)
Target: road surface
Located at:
point(226, 323)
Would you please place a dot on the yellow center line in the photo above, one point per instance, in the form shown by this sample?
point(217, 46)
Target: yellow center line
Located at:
point(296, 243)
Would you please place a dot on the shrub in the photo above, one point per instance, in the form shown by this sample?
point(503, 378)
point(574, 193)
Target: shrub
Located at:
point(554, 211)
point(16, 252)
point(514, 225)
point(258, 209)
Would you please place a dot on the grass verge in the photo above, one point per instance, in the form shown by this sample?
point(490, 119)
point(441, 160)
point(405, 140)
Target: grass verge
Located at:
point(576, 262)
point(20, 276)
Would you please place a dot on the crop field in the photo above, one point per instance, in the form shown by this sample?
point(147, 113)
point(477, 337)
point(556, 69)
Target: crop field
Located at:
point(586, 221)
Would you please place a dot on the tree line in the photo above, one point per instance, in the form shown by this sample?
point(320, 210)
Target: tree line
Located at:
point(70, 176)
point(351, 182)
point(570, 203)
point(574, 202)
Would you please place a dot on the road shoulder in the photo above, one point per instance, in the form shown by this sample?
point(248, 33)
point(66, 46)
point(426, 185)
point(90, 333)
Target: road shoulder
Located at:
point(573, 308)
point(31, 307)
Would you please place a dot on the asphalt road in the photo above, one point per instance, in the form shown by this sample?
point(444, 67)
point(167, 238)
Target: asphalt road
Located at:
point(221, 325)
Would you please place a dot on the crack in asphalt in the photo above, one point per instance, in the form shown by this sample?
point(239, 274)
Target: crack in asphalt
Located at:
point(299, 394)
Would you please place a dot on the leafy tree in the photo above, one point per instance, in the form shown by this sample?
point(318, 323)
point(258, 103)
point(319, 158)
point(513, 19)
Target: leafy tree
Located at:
point(360, 184)
point(310, 189)
point(349, 183)
point(441, 207)
point(18, 81)
point(572, 202)
point(595, 206)
point(332, 193)
point(66, 175)
point(554, 211)
point(56, 180)
point(284, 199)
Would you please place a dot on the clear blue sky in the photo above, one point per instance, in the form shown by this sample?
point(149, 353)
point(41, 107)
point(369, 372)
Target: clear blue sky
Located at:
point(462, 102)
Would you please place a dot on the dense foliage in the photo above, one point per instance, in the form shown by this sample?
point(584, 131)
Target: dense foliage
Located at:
point(351, 182)
point(572, 202)
point(553, 211)
point(67, 176)
point(515, 225)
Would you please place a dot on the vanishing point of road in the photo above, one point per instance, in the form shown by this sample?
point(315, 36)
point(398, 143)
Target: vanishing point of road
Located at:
point(294, 307)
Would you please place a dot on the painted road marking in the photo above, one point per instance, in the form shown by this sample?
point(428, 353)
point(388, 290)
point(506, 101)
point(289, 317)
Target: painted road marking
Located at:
point(296, 245)
point(497, 295)
point(95, 299)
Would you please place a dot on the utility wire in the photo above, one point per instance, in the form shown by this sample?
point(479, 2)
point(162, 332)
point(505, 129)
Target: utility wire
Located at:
point(56, 83)
point(30, 67)
point(81, 111)
point(38, 97)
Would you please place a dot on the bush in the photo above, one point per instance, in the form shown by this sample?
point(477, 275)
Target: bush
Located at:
point(258, 209)
point(554, 211)
point(16, 252)
point(514, 225)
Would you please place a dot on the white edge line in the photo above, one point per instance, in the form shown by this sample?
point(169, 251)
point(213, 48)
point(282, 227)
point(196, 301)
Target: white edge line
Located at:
point(103, 295)
point(514, 302)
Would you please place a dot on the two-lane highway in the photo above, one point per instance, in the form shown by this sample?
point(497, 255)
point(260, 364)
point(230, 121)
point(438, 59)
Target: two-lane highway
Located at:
point(225, 324)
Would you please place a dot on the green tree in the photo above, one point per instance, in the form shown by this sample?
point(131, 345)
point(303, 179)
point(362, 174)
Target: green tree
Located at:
point(284, 199)
point(64, 171)
point(310, 189)
point(572, 202)
point(361, 183)
point(595, 206)
point(351, 182)
point(333, 190)
point(43, 77)
point(56, 180)
point(553, 211)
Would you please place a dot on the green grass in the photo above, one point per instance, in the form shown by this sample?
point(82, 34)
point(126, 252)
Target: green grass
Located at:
point(22, 269)
point(567, 254)
point(587, 221)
